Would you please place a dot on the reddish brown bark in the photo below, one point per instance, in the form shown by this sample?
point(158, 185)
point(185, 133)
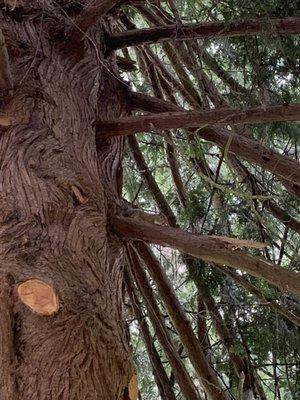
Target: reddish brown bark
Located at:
point(209, 249)
point(204, 30)
point(91, 13)
point(7, 354)
point(56, 190)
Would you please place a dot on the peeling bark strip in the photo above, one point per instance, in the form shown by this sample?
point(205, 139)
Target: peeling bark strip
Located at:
point(197, 119)
point(209, 249)
point(7, 367)
point(270, 27)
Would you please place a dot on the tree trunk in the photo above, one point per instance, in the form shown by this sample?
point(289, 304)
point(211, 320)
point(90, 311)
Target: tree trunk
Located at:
point(56, 191)
point(7, 357)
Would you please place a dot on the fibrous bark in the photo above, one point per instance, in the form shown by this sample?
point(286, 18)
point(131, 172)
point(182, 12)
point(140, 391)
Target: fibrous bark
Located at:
point(57, 189)
point(7, 353)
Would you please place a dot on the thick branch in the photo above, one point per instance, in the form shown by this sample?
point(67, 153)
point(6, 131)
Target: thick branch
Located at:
point(197, 119)
point(160, 375)
point(203, 30)
point(181, 323)
point(285, 168)
point(7, 385)
point(213, 250)
point(182, 377)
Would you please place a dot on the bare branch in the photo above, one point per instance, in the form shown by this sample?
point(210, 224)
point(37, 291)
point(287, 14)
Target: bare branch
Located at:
point(285, 168)
point(182, 377)
point(197, 119)
point(150, 181)
point(160, 375)
point(244, 283)
point(209, 249)
point(264, 27)
point(188, 338)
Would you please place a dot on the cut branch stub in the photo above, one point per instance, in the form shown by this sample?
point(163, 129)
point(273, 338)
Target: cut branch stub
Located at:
point(133, 387)
point(38, 296)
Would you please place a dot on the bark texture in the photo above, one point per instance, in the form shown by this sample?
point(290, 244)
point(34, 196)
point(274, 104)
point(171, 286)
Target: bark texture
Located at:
point(56, 189)
point(7, 356)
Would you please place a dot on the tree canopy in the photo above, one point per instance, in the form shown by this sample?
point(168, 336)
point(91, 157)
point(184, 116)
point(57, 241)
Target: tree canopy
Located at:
point(149, 160)
point(205, 187)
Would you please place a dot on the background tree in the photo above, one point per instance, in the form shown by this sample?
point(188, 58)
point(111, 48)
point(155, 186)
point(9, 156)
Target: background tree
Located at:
point(211, 182)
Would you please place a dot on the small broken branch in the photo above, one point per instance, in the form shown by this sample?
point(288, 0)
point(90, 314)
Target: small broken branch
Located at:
point(212, 250)
point(197, 119)
point(264, 27)
point(95, 10)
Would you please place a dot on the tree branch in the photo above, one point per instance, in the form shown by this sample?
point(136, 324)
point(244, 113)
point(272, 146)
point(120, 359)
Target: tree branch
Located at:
point(151, 183)
point(285, 168)
point(187, 336)
point(244, 283)
point(197, 119)
point(213, 250)
point(182, 377)
point(160, 375)
point(264, 27)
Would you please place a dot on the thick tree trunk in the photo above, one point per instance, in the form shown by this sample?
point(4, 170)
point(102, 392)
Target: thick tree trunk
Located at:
point(56, 190)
